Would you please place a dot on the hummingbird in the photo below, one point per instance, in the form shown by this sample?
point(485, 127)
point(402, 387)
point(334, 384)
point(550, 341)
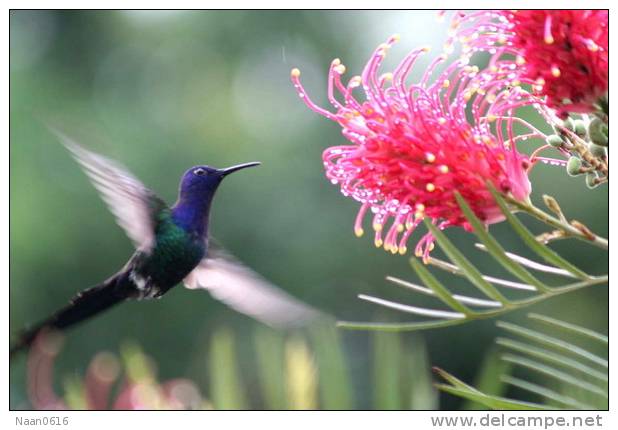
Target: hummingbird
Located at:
point(172, 245)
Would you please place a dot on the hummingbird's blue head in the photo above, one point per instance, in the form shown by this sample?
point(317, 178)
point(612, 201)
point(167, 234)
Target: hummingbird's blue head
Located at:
point(202, 181)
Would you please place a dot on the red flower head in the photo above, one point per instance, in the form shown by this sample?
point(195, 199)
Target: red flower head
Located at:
point(413, 145)
point(563, 53)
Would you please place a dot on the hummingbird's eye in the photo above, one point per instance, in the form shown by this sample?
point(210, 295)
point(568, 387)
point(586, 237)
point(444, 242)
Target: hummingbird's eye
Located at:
point(199, 171)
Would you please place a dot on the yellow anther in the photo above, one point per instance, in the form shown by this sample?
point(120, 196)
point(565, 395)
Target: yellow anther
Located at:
point(426, 49)
point(355, 81)
point(295, 73)
point(491, 118)
point(403, 250)
point(592, 46)
point(441, 121)
point(419, 207)
point(400, 228)
point(340, 69)
point(359, 231)
point(491, 98)
point(419, 215)
point(418, 253)
point(387, 76)
point(430, 157)
point(555, 71)
point(520, 60)
point(516, 82)
point(378, 243)
point(336, 62)
point(549, 39)
point(443, 169)
point(446, 83)
point(377, 226)
point(430, 187)
point(431, 246)
point(394, 249)
point(395, 38)
point(493, 69)
point(502, 39)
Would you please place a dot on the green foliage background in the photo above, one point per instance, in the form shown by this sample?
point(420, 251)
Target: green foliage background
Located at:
point(162, 91)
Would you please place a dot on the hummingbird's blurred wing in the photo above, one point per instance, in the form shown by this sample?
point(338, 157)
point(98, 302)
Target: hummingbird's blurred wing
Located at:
point(134, 206)
point(247, 292)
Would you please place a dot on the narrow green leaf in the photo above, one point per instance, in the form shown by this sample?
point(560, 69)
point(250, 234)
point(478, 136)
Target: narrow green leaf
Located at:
point(554, 373)
point(270, 351)
point(531, 264)
point(462, 299)
point(543, 251)
point(494, 248)
point(546, 393)
point(488, 381)
point(571, 327)
point(410, 326)
point(423, 395)
point(387, 371)
point(434, 313)
point(453, 380)
point(552, 357)
point(335, 384)
point(441, 292)
point(226, 390)
point(460, 388)
point(497, 281)
point(301, 375)
point(497, 403)
point(553, 342)
point(462, 262)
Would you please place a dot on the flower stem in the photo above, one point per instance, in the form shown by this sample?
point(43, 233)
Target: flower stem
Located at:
point(569, 230)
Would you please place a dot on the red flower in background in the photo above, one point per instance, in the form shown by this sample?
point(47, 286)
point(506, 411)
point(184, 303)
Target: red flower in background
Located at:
point(562, 53)
point(138, 388)
point(412, 146)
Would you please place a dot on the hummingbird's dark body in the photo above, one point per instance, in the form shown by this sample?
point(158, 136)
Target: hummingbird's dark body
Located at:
point(171, 247)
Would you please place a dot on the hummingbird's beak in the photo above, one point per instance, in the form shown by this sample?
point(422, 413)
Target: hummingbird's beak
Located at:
point(228, 170)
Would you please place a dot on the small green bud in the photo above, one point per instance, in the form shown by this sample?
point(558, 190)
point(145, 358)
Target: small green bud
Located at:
point(591, 180)
point(554, 140)
point(598, 132)
point(574, 166)
point(568, 124)
point(597, 150)
point(580, 128)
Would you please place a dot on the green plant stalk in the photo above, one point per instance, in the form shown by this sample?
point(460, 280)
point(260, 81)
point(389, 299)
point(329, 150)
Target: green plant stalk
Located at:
point(548, 219)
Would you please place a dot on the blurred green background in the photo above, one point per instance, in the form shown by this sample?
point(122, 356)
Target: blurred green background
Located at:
point(163, 90)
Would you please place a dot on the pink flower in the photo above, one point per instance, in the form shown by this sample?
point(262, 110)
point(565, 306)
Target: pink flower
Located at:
point(562, 53)
point(411, 146)
point(139, 389)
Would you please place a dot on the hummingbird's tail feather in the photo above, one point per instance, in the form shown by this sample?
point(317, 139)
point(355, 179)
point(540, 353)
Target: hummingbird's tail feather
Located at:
point(84, 305)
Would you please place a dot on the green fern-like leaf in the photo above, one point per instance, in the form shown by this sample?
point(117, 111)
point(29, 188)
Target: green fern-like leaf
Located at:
point(565, 374)
point(491, 300)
